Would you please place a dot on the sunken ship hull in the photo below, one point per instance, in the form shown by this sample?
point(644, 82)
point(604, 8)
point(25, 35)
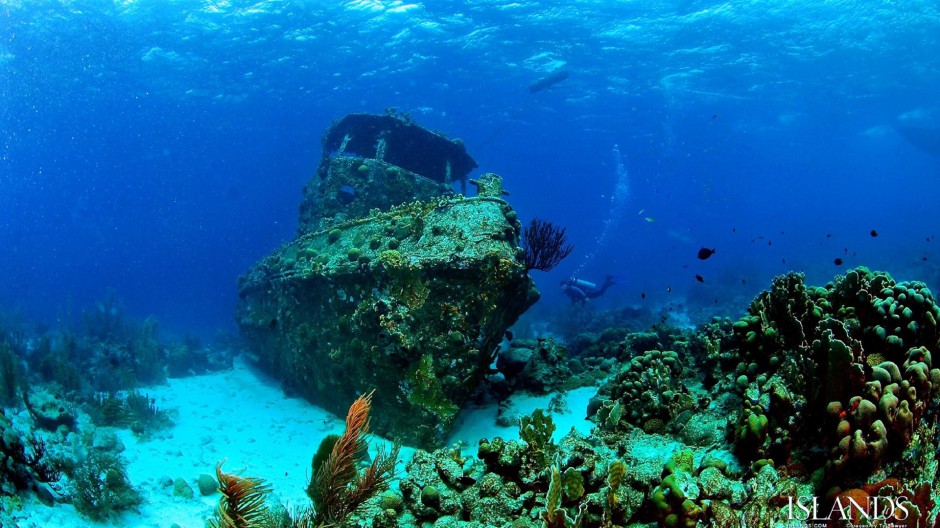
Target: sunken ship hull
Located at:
point(394, 283)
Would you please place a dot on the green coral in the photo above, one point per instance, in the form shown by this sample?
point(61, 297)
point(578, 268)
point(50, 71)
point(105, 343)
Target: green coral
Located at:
point(753, 431)
point(133, 410)
point(554, 515)
point(573, 483)
point(676, 499)
point(322, 454)
point(427, 389)
point(649, 388)
point(536, 431)
point(847, 363)
point(391, 259)
point(615, 473)
point(15, 474)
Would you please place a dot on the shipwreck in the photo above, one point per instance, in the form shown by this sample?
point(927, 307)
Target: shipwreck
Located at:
point(395, 281)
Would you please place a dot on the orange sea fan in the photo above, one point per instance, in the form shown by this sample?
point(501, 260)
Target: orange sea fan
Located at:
point(337, 489)
point(243, 501)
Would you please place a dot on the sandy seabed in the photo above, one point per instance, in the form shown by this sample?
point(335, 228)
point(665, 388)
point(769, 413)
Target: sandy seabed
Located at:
point(244, 418)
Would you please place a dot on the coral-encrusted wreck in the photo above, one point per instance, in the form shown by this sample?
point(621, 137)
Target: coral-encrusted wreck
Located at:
point(394, 282)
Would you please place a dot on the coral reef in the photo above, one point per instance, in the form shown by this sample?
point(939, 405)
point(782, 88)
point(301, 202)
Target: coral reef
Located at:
point(112, 352)
point(655, 379)
point(537, 366)
point(49, 445)
point(849, 363)
point(529, 483)
point(827, 394)
point(189, 358)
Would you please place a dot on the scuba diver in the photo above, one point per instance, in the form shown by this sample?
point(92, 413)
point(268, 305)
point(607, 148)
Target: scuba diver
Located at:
point(579, 290)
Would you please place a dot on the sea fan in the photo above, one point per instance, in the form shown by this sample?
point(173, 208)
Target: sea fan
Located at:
point(545, 245)
point(337, 489)
point(243, 501)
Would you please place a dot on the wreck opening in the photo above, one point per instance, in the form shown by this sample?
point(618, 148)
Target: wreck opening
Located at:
point(399, 142)
point(375, 162)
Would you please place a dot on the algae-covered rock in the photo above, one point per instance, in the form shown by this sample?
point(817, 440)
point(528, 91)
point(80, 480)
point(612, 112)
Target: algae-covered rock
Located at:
point(181, 488)
point(49, 410)
point(543, 366)
point(106, 439)
point(208, 485)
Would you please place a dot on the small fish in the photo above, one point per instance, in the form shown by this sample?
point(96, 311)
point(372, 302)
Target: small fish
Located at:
point(641, 211)
point(699, 278)
point(704, 253)
point(643, 295)
point(668, 289)
point(734, 230)
point(924, 259)
point(649, 219)
point(837, 262)
point(770, 242)
point(828, 235)
point(743, 281)
point(874, 233)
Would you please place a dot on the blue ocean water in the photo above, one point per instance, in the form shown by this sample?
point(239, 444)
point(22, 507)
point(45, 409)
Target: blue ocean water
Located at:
point(158, 148)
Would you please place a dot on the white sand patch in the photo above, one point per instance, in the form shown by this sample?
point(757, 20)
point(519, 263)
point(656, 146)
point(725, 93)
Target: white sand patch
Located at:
point(480, 422)
point(236, 415)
